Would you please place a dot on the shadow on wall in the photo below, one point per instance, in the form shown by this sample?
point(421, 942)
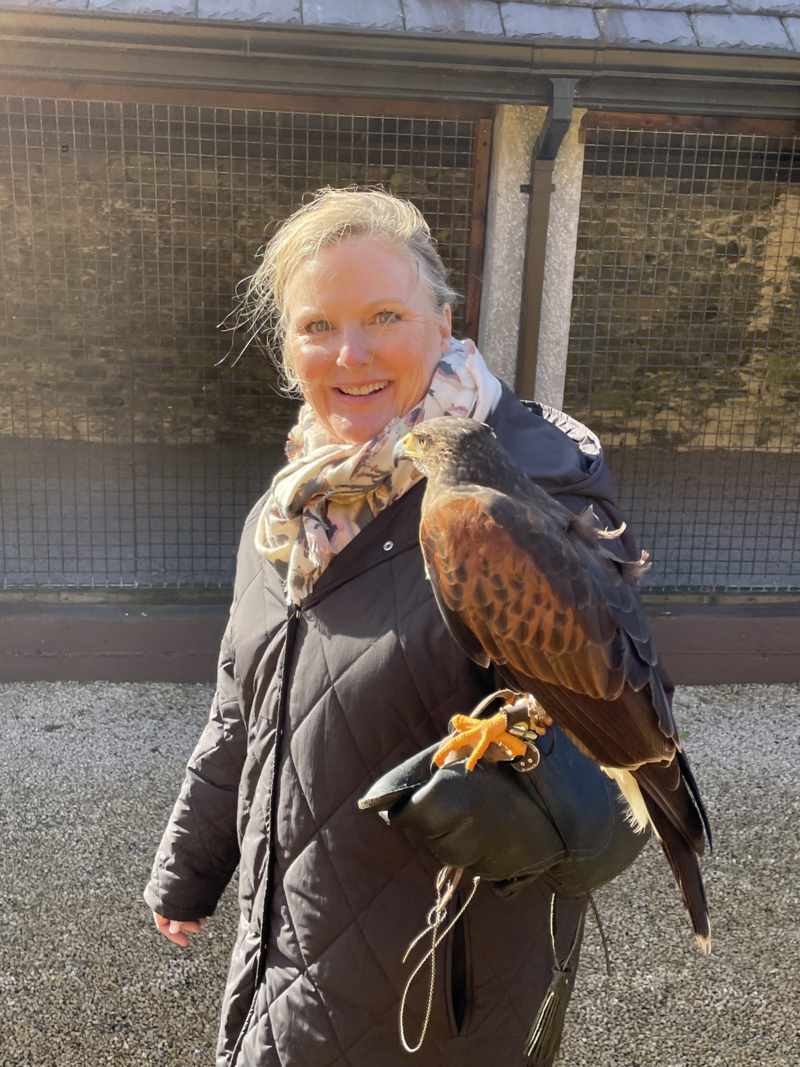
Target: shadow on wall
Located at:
point(713, 517)
point(83, 514)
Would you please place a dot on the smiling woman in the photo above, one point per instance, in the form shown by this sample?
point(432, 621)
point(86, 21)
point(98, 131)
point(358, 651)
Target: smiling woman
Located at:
point(336, 665)
point(363, 335)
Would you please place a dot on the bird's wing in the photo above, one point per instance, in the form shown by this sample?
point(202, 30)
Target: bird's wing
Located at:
point(457, 627)
point(558, 618)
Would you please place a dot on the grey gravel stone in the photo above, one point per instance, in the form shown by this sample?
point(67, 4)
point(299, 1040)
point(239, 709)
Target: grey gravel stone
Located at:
point(372, 14)
point(533, 20)
point(753, 23)
point(665, 1005)
point(741, 31)
point(445, 16)
point(250, 10)
point(85, 980)
point(88, 775)
point(652, 27)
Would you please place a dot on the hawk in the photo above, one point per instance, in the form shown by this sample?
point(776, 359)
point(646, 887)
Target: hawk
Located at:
point(528, 586)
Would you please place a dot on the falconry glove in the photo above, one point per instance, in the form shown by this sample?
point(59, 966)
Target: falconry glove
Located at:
point(564, 821)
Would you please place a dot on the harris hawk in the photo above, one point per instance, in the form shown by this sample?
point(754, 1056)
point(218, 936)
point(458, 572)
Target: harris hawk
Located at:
point(526, 585)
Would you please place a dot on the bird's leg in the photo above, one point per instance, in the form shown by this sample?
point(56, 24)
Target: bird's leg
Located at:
point(527, 720)
point(519, 715)
point(525, 710)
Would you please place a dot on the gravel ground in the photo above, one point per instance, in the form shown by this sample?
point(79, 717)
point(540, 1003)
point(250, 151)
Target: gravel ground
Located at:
point(665, 1004)
point(88, 774)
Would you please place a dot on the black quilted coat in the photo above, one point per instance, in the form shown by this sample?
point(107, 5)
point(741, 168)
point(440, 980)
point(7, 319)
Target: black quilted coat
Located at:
point(362, 677)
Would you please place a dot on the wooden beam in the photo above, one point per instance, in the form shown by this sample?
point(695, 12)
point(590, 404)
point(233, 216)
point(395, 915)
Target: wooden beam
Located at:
point(728, 649)
point(189, 97)
point(477, 233)
point(622, 120)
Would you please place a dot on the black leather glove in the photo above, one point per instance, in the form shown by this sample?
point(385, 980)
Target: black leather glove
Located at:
point(510, 828)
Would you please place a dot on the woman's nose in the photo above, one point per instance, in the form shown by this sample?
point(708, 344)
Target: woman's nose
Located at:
point(353, 351)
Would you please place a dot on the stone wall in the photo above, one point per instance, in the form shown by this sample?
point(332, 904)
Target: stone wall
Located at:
point(124, 232)
point(684, 349)
point(127, 229)
point(685, 316)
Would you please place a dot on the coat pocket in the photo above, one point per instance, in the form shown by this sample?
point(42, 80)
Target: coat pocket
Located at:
point(459, 973)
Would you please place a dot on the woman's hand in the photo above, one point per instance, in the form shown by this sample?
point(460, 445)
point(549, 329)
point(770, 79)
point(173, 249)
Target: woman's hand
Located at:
point(178, 931)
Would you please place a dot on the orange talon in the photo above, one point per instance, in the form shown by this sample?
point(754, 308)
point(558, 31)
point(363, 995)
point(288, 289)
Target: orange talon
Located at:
point(478, 734)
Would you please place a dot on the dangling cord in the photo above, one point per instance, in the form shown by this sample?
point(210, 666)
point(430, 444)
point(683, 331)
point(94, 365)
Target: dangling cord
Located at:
point(544, 1038)
point(446, 883)
point(578, 868)
point(602, 933)
point(565, 965)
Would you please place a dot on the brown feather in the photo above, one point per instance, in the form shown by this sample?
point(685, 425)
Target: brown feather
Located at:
point(559, 617)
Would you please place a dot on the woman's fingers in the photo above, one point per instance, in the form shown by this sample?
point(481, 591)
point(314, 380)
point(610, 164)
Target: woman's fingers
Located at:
point(161, 922)
point(193, 926)
point(177, 931)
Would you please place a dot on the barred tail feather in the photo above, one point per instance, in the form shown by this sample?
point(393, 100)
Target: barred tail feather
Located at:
point(683, 860)
point(688, 777)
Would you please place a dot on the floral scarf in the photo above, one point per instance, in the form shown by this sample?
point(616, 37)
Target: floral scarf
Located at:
point(329, 491)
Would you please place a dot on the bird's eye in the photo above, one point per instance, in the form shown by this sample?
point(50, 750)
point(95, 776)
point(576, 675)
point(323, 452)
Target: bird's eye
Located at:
point(424, 439)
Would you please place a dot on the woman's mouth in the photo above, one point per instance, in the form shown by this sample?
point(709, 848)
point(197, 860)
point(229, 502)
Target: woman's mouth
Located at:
point(362, 390)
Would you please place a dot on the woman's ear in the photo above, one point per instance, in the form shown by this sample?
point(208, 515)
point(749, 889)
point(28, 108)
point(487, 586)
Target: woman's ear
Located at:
point(446, 329)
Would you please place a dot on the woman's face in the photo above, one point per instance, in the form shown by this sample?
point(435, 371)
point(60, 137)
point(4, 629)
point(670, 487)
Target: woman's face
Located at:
point(363, 335)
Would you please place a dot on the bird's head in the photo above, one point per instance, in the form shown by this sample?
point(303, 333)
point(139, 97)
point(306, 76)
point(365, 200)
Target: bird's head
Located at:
point(446, 444)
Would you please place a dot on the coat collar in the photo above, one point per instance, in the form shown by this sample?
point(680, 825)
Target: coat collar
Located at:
point(395, 530)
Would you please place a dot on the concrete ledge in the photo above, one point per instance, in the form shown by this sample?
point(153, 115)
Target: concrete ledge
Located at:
point(110, 643)
point(711, 649)
point(135, 642)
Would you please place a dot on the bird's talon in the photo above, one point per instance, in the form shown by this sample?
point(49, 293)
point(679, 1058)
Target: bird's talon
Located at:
point(478, 734)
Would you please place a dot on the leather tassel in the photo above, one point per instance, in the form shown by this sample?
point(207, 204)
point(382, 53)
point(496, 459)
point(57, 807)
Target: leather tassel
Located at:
point(544, 1039)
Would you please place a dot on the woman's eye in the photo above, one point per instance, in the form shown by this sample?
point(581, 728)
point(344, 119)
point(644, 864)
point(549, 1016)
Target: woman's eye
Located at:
point(383, 318)
point(318, 326)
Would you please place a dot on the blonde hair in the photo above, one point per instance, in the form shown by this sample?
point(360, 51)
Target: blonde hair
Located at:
point(332, 216)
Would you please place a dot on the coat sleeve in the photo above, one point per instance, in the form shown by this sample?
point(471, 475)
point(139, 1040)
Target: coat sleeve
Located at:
point(199, 850)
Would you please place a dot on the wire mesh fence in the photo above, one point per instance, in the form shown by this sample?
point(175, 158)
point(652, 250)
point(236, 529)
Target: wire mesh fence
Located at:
point(131, 442)
point(684, 350)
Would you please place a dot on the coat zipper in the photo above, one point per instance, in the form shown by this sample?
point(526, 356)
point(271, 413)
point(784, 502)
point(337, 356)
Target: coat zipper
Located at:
point(283, 698)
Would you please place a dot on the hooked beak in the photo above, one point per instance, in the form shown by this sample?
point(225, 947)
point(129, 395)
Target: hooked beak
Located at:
point(404, 449)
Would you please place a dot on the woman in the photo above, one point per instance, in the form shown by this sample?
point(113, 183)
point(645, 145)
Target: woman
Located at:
point(336, 667)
